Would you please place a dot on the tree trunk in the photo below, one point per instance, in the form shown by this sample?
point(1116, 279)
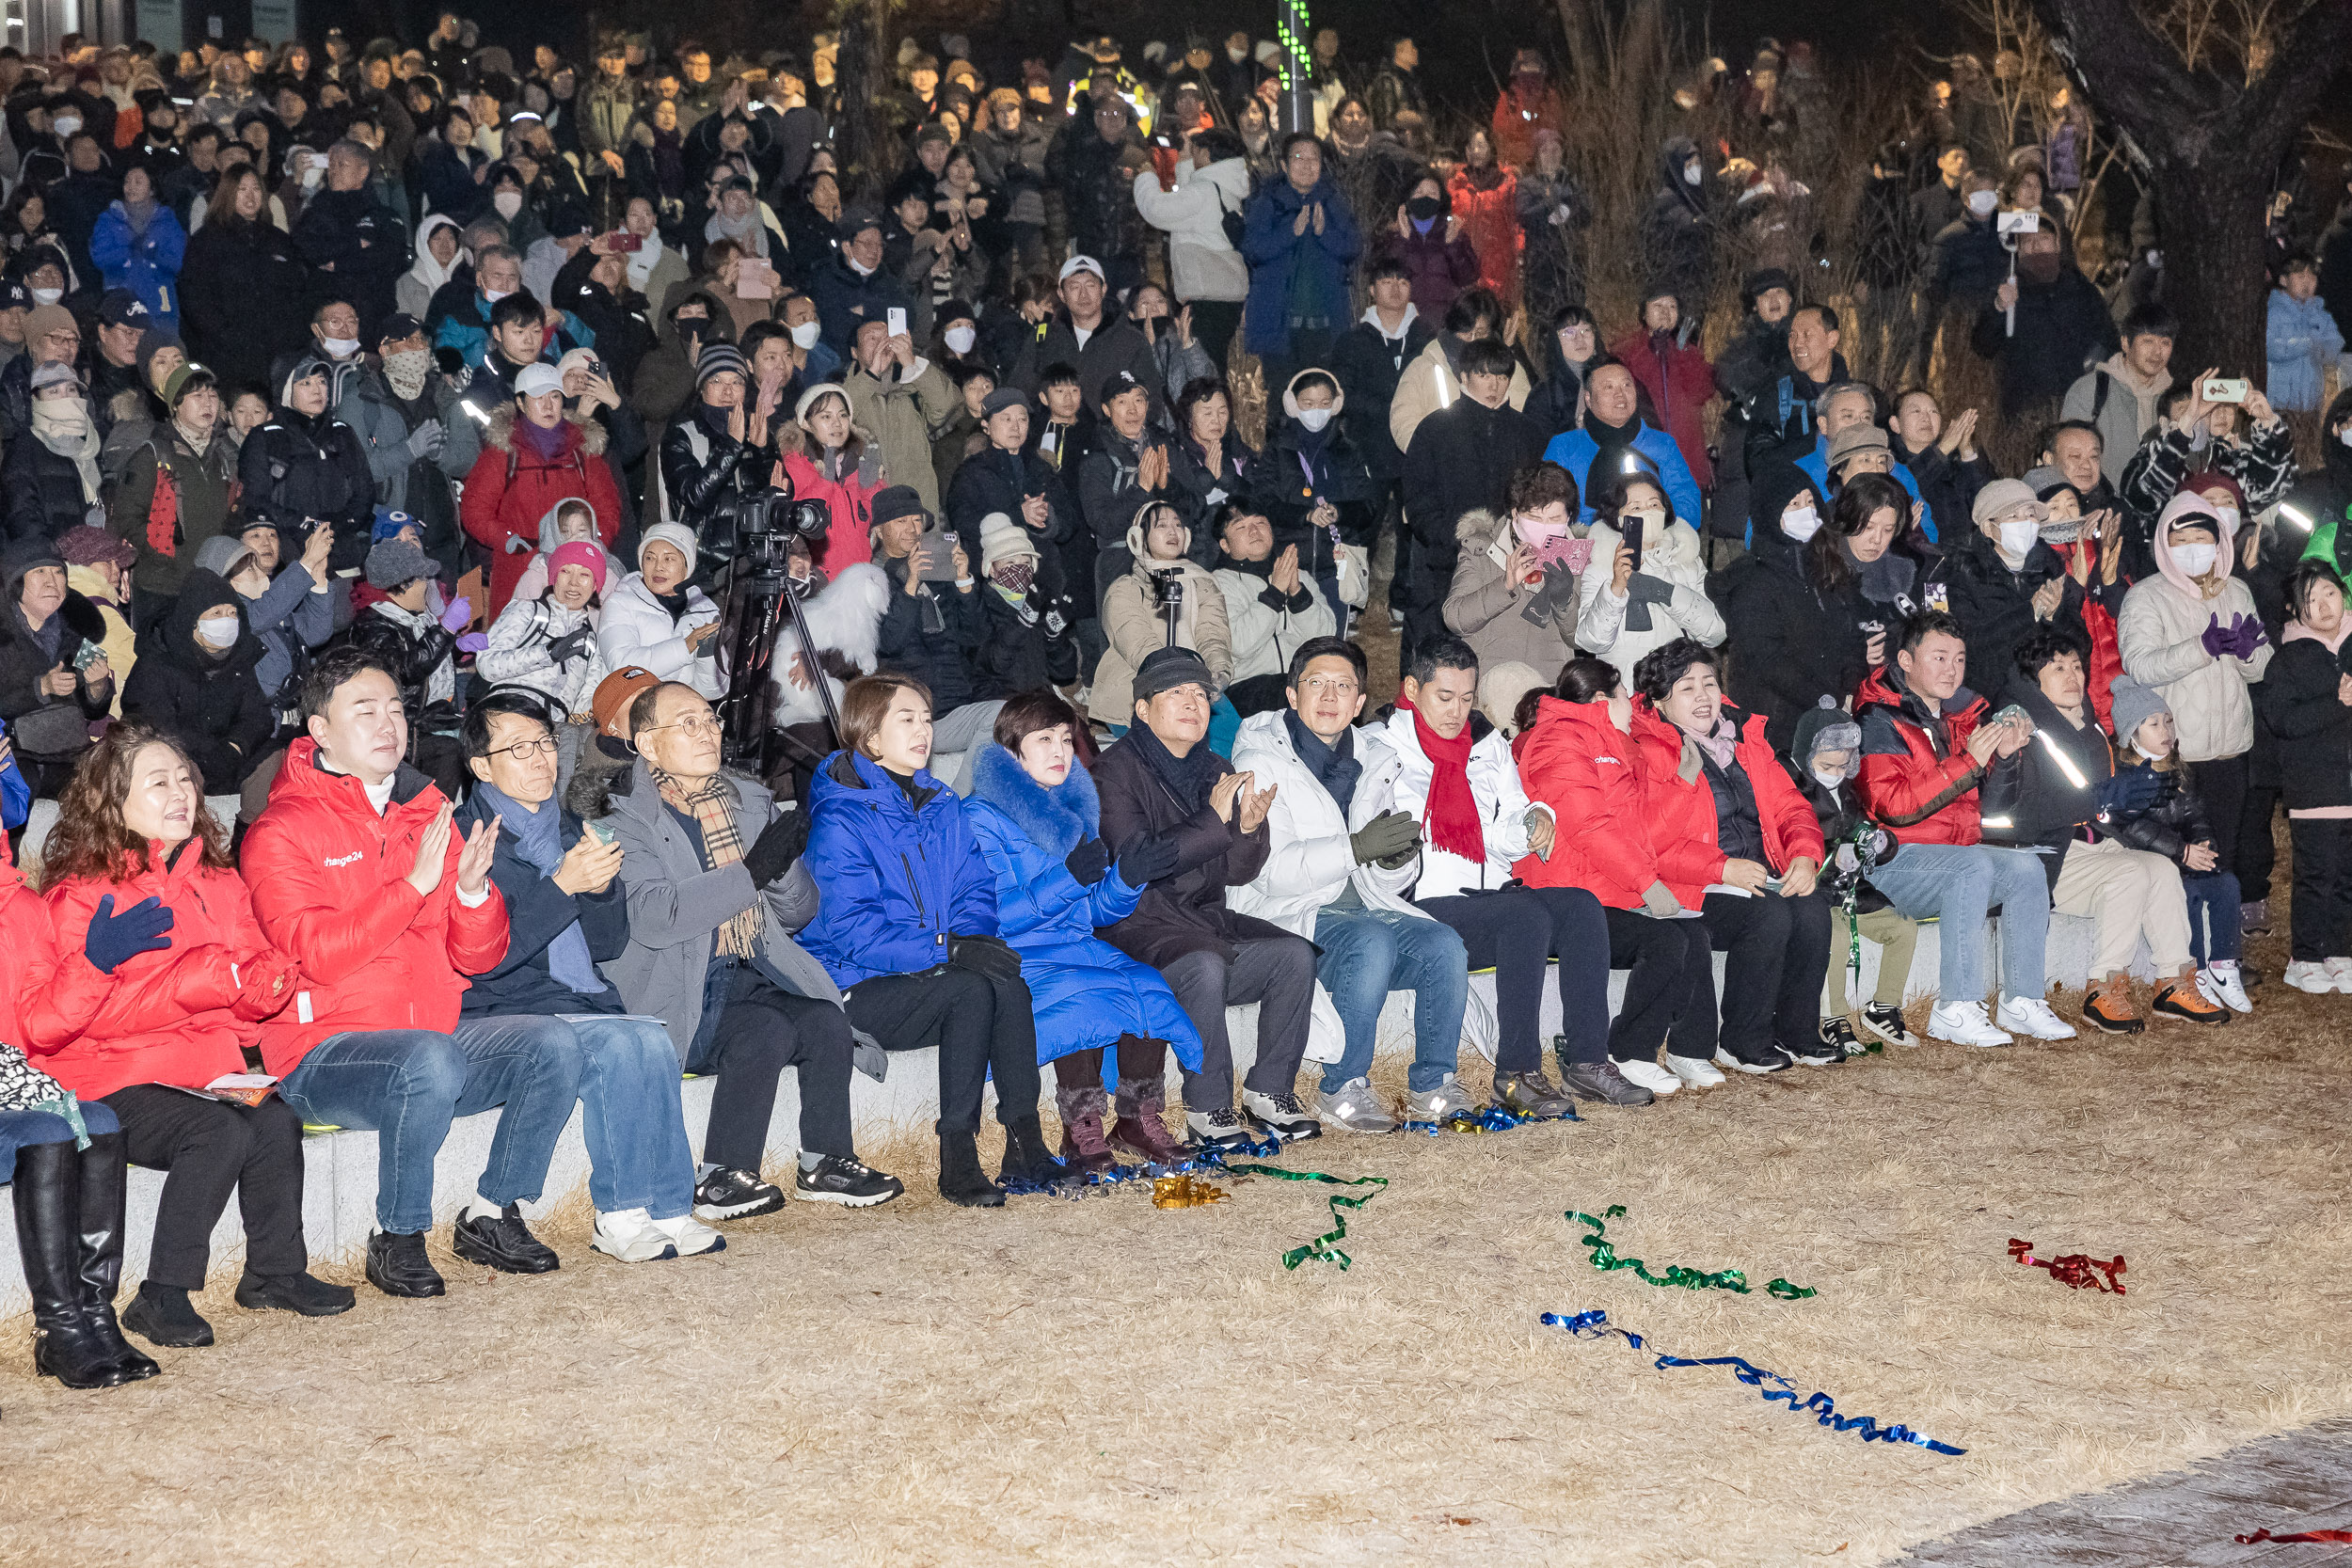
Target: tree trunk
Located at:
point(2212, 223)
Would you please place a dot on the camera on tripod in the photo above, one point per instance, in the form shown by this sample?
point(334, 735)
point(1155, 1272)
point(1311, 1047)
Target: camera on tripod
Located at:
point(1168, 592)
point(761, 596)
point(766, 521)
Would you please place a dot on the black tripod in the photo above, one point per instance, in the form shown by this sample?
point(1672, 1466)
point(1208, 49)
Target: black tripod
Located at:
point(759, 598)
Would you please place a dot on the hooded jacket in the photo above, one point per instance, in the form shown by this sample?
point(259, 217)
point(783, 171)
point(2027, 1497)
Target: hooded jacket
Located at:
point(518, 652)
point(897, 879)
point(899, 413)
point(511, 488)
point(1487, 610)
point(1796, 644)
point(211, 705)
point(2160, 635)
point(849, 499)
point(1676, 233)
point(299, 468)
point(1135, 625)
point(2302, 340)
point(1266, 625)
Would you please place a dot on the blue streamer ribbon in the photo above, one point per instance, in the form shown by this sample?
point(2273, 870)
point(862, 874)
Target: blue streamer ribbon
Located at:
point(1596, 1325)
point(1486, 1118)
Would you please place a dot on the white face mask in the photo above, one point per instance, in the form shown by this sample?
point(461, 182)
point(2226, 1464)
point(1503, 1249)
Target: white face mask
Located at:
point(1982, 202)
point(1315, 419)
point(1828, 780)
point(217, 631)
point(2018, 536)
point(67, 124)
point(1691, 174)
point(508, 203)
point(805, 335)
point(2346, 435)
point(311, 175)
point(48, 296)
point(961, 338)
point(2196, 560)
point(1801, 524)
point(341, 348)
point(857, 266)
point(494, 296)
point(2228, 516)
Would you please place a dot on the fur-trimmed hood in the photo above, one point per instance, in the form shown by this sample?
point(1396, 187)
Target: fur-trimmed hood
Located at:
point(1057, 819)
point(500, 432)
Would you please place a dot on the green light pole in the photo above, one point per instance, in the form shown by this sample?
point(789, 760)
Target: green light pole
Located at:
point(1292, 30)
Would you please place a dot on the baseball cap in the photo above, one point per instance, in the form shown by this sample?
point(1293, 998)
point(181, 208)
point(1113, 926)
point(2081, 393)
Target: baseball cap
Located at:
point(1082, 264)
point(122, 307)
point(613, 696)
point(535, 379)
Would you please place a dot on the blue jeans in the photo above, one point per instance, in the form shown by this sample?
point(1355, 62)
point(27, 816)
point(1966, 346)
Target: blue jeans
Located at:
point(408, 1084)
point(1957, 884)
point(1370, 953)
point(23, 1128)
point(2213, 896)
point(638, 1157)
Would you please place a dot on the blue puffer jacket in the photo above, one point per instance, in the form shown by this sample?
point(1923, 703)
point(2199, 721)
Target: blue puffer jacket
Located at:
point(1275, 256)
point(1088, 993)
point(896, 880)
point(1574, 449)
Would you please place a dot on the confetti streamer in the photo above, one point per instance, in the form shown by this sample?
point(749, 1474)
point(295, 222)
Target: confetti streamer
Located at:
point(2261, 1536)
point(1322, 1245)
point(2079, 1270)
point(1605, 1258)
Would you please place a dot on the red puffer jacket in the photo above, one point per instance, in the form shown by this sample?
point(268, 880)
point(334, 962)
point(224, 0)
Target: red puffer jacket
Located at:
point(1587, 770)
point(511, 488)
point(1917, 778)
point(330, 888)
point(1682, 811)
point(163, 1017)
point(29, 1003)
point(1679, 389)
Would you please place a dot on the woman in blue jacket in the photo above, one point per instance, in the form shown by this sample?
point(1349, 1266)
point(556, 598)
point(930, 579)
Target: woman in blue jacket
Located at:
point(908, 929)
point(1034, 811)
point(139, 245)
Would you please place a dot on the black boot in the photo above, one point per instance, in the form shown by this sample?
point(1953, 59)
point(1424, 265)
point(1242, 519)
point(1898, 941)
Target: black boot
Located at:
point(960, 1178)
point(1026, 1158)
point(106, 1210)
point(48, 1189)
point(161, 1315)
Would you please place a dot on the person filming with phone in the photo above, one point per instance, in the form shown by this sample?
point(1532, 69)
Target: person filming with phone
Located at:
point(934, 624)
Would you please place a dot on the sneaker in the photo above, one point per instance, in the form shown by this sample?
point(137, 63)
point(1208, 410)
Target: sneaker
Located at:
point(1280, 1117)
point(160, 1314)
point(1656, 1079)
point(2308, 977)
point(2178, 999)
point(2253, 917)
point(1354, 1107)
point(2221, 982)
point(1531, 1094)
point(1218, 1128)
point(1831, 1044)
point(1885, 1021)
point(1396, 619)
point(1691, 1071)
point(691, 1236)
point(2109, 1008)
point(294, 1292)
point(735, 1195)
point(398, 1267)
point(2030, 1015)
point(1448, 1099)
point(844, 1180)
point(1606, 1081)
point(1773, 1063)
point(1964, 1023)
point(503, 1242)
point(630, 1235)
point(2340, 972)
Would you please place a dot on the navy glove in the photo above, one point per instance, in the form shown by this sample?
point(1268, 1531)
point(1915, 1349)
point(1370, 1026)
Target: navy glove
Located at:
point(1088, 862)
point(1147, 860)
point(114, 939)
point(2131, 791)
point(571, 644)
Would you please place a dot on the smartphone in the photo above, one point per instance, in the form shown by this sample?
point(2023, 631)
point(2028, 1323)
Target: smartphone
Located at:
point(598, 831)
point(2223, 389)
point(756, 280)
point(898, 319)
point(624, 242)
point(2018, 223)
point(1632, 526)
point(934, 553)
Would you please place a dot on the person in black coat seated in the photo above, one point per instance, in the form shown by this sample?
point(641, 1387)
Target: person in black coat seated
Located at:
point(1029, 644)
point(304, 467)
point(53, 680)
point(1793, 607)
point(717, 453)
point(1209, 464)
point(2062, 326)
point(194, 682)
point(1461, 459)
point(2000, 581)
point(932, 629)
point(1005, 478)
point(1312, 484)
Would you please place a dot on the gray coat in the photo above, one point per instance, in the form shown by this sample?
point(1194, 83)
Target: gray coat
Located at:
point(675, 907)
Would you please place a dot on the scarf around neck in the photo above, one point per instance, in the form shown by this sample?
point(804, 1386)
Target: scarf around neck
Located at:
point(1334, 766)
point(711, 808)
point(1452, 813)
point(1189, 778)
point(64, 427)
point(548, 443)
point(539, 840)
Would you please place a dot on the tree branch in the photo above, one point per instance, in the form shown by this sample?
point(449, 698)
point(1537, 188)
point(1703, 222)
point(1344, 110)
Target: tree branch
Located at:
point(2137, 80)
point(2274, 105)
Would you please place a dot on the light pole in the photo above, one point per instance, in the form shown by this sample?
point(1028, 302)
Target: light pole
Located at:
point(1292, 30)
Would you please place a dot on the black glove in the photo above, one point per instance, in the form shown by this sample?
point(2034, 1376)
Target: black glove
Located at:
point(780, 844)
point(986, 956)
point(2131, 791)
point(572, 644)
point(1088, 862)
point(115, 937)
point(1146, 858)
point(1390, 837)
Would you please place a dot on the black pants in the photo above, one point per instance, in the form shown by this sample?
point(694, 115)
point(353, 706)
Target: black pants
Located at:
point(2322, 910)
point(1516, 931)
point(2221, 784)
point(753, 1030)
point(1213, 323)
point(1665, 961)
point(210, 1147)
point(982, 1027)
point(1779, 950)
point(1279, 975)
point(2257, 851)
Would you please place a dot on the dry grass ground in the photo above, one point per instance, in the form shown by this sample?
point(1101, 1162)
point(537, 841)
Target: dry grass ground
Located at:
point(1099, 1381)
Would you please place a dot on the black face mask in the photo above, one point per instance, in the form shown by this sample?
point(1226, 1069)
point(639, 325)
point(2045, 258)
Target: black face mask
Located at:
point(1424, 208)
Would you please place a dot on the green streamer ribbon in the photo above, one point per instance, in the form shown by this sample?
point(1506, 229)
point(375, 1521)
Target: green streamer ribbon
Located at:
point(1321, 1246)
point(1605, 1259)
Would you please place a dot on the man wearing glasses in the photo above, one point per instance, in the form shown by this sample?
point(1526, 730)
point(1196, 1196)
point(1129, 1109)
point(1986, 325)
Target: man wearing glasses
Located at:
point(715, 889)
point(1299, 240)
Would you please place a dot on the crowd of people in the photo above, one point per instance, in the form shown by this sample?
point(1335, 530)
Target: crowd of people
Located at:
point(380, 425)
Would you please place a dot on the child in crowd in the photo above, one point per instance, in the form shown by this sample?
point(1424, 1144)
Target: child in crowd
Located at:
point(1823, 759)
point(2176, 828)
point(567, 522)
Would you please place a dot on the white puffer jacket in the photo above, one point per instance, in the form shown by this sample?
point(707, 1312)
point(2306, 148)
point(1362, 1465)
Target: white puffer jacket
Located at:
point(1675, 559)
point(2160, 634)
point(1265, 637)
point(1311, 858)
point(517, 653)
point(637, 630)
point(1502, 808)
point(1204, 263)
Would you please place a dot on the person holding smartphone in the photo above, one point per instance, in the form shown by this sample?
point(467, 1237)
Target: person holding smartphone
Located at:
point(1647, 582)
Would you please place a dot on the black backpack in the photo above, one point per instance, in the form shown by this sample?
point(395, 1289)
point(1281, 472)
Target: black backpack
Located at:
point(1234, 225)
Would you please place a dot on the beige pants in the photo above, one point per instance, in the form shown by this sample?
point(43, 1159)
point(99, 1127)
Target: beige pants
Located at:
point(2128, 892)
point(1895, 932)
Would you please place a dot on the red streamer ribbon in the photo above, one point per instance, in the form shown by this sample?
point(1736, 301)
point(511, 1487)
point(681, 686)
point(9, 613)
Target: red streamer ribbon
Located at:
point(2262, 1535)
point(2079, 1270)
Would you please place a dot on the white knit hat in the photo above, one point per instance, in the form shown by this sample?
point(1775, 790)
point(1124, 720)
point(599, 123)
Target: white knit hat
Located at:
point(1002, 539)
point(677, 534)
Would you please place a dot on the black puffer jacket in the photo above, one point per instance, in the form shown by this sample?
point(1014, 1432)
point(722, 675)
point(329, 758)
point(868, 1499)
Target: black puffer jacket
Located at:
point(1792, 644)
point(2176, 820)
point(1994, 605)
point(2298, 696)
point(44, 490)
point(411, 658)
point(210, 703)
point(703, 468)
point(941, 659)
point(299, 468)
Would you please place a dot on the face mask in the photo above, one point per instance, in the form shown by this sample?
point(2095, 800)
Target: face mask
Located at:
point(1801, 524)
point(857, 266)
point(1315, 419)
point(1982, 202)
point(1536, 535)
point(311, 175)
point(1014, 577)
point(508, 203)
point(2018, 536)
point(2061, 532)
point(805, 335)
point(2196, 560)
point(341, 348)
point(2228, 516)
point(67, 124)
point(1422, 208)
point(217, 631)
point(1236, 55)
point(2344, 436)
point(2040, 267)
point(1828, 780)
point(48, 296)
point(959, 338)
point(494, 296)
point(1691, 174)
point(406, 368)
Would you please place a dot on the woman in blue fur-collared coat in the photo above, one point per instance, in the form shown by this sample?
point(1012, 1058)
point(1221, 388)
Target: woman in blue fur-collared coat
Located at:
point(1034, 814)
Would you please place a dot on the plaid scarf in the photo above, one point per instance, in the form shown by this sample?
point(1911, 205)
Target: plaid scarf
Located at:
point(712, 808)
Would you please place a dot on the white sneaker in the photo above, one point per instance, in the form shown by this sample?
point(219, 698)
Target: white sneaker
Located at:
point(691, 1236)
point(1697, 1071)
point(1964, 1023)
point(2308, 977)
point(2031, 1016)
point(2340, 972)
point(1651, 1076)
point(2222, 985)
point(630, 1235)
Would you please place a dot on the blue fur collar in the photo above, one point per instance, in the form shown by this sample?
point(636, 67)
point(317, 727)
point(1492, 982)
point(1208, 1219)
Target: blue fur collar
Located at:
point(1059, 819)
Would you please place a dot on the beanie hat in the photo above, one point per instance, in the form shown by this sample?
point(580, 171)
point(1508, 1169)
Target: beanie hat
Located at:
point(615, 693)
point(579, 552)
point(85, 546)
point(390, 521)
point(395, 562)
point(186, 378)
point(809, 400)
point(1166, 669)
point(2213, 478)
point(675, 534)
point(1854, 440)
point(539, 378)
point(1500, 688)
point(20, 556)
point(1825, 728)
point(893, 501)
point(55, 375)
point(1002, 539)
point(2132, 705)
point(41, 320)
point(718, 358)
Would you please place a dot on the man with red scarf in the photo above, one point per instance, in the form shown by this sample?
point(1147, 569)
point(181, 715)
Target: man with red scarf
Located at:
point(1458, 780)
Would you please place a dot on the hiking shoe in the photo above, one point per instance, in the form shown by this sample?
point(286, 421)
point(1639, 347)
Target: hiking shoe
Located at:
point(2182, 1000)
point(1447, 1099)
point(1606, 1081)
point(1280, 1117)
point(1885, 1021)
point(294, 1292)
point(2253, 917)
point(1140, 1129)
point(2307, 976)
point(1964, 1023)
point(161, 1315)
point(1691, 1071)
point(1085, 1145)
point(2030, 1015)
point(735, 1195)
point(1215, 1128)
point(503, 1242)
point(398, 1267)
point(1531, 1094)
point(1354, 1107)
point(845, 1180)
point(630, 1235)
point(2221, 982)
point(691, 1236)
point(2109, 1007)
point(1649, 1075)
point(1832, 1043)
point(1776, 1062)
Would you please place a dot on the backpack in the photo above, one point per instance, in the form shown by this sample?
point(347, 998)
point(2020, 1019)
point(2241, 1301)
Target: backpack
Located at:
point(1235, 226)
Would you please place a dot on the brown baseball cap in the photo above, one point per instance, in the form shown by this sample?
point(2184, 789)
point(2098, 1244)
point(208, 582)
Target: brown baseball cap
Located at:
point(614, 693)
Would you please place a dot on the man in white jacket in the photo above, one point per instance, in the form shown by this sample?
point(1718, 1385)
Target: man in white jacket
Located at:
point(1341, 860)
point(1209, 277)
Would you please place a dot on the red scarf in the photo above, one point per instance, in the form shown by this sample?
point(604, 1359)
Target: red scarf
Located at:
point(1452, 811)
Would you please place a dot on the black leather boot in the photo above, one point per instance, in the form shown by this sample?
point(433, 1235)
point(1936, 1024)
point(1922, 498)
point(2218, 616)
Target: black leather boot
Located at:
point(106, 1207)
point(960, 1178)
point(1027, 1157)
point(48, 1189)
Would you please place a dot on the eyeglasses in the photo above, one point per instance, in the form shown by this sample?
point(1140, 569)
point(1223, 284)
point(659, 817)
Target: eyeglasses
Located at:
point(544, 746)
point(699, 725)
point(1338, 686)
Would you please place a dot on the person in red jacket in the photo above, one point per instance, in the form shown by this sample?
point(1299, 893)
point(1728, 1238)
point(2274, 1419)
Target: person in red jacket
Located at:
point(1485, 198)
point(1673, 369)
point(1928, 750)
point(148, 1022)
point(1736, 841)
point(533, 455)
point(1578, 760)
point(358, 877)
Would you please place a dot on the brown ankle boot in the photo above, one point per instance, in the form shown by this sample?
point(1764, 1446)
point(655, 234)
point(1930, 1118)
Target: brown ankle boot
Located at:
point(2109, 1006)
point(1082, 1141)
point(1139, 1128)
